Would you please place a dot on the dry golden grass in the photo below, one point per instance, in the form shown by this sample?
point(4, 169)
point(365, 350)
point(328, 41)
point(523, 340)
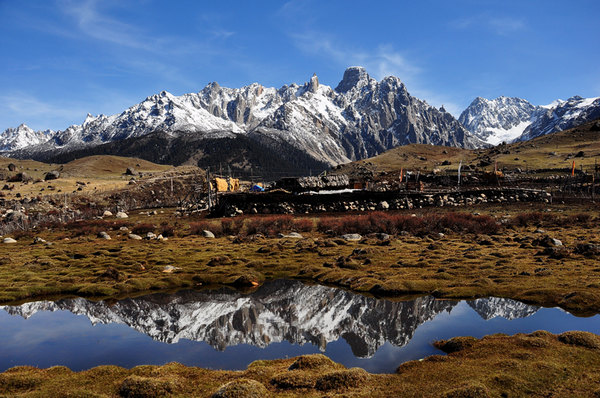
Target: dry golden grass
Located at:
point(537, 364)
point(101, 174)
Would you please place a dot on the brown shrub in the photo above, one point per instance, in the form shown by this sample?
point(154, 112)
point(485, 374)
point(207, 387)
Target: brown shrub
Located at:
point(232, 226)
point(538, 219)
point(381, 222)
point(93, 227)
point(166, 230)
point(303, 225)
point(270, 226)
point(196, 228)
point(142, 229)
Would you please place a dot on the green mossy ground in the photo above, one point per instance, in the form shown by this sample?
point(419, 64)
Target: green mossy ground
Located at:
point(539, 364)
point(509, 264)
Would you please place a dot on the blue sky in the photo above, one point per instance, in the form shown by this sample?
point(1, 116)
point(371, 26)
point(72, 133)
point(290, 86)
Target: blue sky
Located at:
point(62, 59)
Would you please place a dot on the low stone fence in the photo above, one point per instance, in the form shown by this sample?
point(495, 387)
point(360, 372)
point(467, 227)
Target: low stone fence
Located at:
point(285, 203)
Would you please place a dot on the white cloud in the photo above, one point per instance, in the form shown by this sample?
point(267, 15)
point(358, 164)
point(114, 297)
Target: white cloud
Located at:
point(384, 60)
point(502, 26)
point(505, 26)
point(36, 113)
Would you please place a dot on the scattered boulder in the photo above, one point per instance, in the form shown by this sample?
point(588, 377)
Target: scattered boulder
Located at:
point(351, 237)
point(556, 253)
point(547, 241)
point(130, 171)
point(52, 175)
point(17, 216)
point(207, 234)
point(12, 167)
point(169, 269)
point(242, 388)
point(104, 235)
point(38, 240)
point(446, 163)
point(383, 205)
point(121, 214)
point(107, 213)
point(580, 154)
point(291, 235)
point(588, 249)
point(21, 177)
point(9, 240)
point(150, 235)
point(134, 237)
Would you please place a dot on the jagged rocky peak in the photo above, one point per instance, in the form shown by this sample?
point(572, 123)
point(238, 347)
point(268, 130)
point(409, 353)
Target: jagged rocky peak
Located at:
point(354, 77)
point(22, 136)
point(313, 84)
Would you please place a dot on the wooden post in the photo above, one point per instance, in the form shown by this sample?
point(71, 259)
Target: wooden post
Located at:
point(209, 188)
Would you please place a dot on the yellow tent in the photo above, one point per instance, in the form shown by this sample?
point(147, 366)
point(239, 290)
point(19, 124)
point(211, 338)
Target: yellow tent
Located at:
point(226, 184)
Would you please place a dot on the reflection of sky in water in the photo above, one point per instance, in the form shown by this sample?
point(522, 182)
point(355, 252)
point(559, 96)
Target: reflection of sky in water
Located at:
point(61, 338)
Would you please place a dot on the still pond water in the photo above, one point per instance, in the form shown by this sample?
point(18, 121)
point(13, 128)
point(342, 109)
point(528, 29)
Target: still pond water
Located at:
point(225, 329)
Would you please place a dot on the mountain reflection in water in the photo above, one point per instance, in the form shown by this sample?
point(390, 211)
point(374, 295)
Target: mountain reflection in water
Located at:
point(278, 312)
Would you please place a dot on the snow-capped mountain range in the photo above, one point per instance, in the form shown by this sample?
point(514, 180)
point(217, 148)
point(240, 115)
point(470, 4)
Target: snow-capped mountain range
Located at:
point(361, 117)
point(278, 311)
point(507, 119)
point(303, 125)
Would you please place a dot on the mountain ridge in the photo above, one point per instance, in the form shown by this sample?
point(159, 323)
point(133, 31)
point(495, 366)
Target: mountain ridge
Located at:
point(360, 118)
point(510, 119)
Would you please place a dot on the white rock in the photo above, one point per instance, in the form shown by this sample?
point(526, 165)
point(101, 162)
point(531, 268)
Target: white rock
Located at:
point(352, 237)
point(107, 214)
point(9, 240)
point(134, 237)
point(121, 214)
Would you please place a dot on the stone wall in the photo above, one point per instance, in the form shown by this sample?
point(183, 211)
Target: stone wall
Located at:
point(284, 203)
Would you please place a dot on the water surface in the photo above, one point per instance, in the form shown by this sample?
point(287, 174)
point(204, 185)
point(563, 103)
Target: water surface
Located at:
point(225, 329)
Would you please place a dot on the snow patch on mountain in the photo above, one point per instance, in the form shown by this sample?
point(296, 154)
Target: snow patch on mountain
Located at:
point(21, 137)
point(499, 120)
point(507, 119)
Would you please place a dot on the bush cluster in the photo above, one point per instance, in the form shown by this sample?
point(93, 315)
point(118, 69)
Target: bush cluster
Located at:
point(244, 226)
point(544, 219)
point(93, 227)
point(392, 224)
